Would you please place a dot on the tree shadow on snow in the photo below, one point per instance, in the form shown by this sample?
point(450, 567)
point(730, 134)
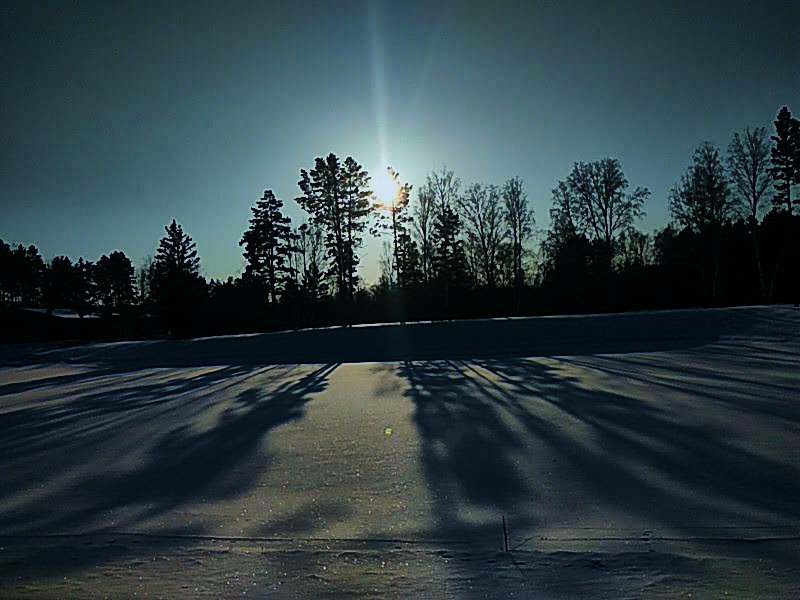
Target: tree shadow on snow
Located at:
point(467, 452)
point(701, 476)
point(181, 461)
point(624, 453)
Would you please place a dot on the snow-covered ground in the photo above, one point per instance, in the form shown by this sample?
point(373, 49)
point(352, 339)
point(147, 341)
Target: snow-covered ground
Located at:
point(641, 455)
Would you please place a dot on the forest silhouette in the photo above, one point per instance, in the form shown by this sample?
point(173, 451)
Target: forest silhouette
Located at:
point(450, 251)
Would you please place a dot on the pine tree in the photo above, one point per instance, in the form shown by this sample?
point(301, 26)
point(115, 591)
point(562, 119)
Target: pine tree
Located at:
point(357, 195)
point(337, 199)
point(785, 158)
point(322, 200)
point(268, 243)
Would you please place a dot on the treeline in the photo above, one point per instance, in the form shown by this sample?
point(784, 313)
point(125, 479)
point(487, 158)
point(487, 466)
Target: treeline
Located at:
point(451, 250)
point(85, 287)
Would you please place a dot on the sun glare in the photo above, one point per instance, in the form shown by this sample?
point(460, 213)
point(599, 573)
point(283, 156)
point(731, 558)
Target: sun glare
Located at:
point(385, 187)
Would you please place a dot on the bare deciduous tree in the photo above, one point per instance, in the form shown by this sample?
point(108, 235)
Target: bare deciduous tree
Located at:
point(520, 221)
point(311, 250)
point(702, 202)
point(436, 197)
point(485, 230)
point(748, 169)
point(424, 215)
point(603, 209)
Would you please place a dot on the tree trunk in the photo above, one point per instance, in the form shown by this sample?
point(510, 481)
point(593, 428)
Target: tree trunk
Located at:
point(775, 271)
point(715, 278)
point(758, 265)
point(398, 273)
point(609, 275)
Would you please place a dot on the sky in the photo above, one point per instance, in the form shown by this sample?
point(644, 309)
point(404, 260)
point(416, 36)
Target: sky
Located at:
point(119, 116)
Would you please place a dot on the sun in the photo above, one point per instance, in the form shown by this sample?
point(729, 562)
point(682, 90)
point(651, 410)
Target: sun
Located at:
point(385, 186)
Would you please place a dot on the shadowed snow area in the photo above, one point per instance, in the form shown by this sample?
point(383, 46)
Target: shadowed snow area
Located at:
point(645, 455)
point(538, 336)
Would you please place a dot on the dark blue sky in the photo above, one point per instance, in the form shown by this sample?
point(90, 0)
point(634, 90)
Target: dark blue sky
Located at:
point(117, 117)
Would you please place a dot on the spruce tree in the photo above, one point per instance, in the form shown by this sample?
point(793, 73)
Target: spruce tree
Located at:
point(83, 287)
point(409, 260)
point(268, 242)
point(176, 285)
point(449, 256)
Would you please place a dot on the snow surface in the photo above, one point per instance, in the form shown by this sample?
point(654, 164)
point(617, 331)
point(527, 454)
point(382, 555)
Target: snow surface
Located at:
point(648, 455)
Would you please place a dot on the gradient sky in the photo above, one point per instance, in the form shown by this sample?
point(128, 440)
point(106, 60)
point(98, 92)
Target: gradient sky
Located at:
point(117, 117)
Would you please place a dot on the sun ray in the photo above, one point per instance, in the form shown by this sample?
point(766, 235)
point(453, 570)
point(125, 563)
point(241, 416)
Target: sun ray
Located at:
point(378, 80)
